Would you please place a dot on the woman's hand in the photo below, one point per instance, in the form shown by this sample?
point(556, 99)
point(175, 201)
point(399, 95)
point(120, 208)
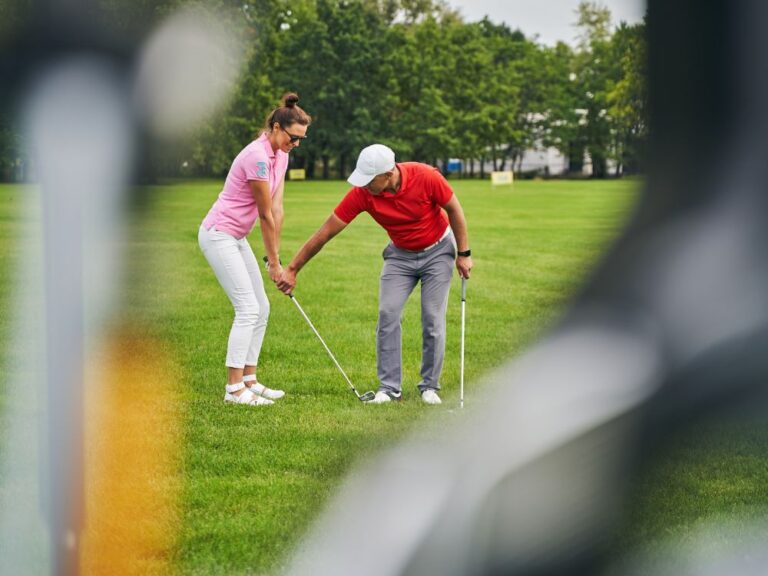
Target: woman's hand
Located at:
point(275, 272)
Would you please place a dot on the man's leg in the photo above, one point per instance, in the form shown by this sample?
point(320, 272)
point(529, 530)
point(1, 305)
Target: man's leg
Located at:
point(436, 274)
point(397, 282)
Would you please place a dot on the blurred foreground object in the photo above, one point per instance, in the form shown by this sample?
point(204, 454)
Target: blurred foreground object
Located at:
point(85, 100)
point(673, 325)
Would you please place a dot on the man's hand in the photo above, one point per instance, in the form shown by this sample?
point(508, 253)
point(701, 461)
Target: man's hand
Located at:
point(464, 265)
point(287, 282)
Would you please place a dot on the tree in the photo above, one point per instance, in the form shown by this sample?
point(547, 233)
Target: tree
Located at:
point(334, 52)
point(215, 144)
point(563, 117)
point(595, 70)
point(413, 75)
point(628, 99)
point(472, 62)
point(423, 119)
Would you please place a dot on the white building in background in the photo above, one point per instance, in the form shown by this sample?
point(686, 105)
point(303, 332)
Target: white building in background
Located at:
point(548, 161)
point(544, 162)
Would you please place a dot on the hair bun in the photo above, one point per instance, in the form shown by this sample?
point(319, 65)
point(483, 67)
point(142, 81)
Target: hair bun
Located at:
point(290, 100)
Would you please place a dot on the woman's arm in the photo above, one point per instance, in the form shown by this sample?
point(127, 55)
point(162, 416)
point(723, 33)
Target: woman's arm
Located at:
point(263, 197)
point(278, 214)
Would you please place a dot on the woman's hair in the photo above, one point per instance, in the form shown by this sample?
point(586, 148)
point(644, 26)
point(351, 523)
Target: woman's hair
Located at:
point(288, 113)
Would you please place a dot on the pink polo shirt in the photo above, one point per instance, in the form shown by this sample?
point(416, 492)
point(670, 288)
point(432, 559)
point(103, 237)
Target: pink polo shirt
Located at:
point(235, 211)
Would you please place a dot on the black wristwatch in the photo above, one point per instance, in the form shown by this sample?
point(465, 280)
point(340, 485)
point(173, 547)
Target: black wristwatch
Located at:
point(465, 253)
point(266, 262)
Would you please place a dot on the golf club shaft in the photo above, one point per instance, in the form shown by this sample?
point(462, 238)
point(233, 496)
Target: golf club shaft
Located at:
point(461, 376)
point(293, 298)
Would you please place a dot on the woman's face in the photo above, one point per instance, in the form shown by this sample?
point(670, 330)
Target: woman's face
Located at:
point(290, 137)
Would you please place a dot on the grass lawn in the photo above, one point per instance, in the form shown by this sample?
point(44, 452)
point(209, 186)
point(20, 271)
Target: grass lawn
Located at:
point(246, 483)
point(10, 225)
point(252, 481)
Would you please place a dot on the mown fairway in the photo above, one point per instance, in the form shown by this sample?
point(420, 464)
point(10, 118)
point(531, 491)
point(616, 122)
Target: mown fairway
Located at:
point(246, 482)
point(254, 478)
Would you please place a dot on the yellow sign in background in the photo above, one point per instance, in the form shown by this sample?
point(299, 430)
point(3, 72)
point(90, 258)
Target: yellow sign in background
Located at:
point(502, 178)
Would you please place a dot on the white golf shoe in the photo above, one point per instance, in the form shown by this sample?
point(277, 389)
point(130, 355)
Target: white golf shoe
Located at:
point(264, 392)
point(246, 397)
point(384, 397)
point(430, 396)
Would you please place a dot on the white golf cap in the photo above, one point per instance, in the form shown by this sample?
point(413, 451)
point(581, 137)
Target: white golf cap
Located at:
point(373, 160)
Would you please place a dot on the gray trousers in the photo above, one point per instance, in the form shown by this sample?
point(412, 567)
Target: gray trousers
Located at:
point(402, 271)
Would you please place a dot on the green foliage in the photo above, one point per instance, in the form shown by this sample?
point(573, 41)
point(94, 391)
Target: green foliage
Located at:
point(628, 98)
point(11, 151)
point(13, 17)
point(562, 104)
point(414, 75)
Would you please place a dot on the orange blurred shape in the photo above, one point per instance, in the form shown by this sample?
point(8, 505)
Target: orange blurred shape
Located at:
point(133, 455)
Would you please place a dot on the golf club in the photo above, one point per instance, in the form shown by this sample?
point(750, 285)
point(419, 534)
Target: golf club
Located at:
point(461, 370)
point(363, 398)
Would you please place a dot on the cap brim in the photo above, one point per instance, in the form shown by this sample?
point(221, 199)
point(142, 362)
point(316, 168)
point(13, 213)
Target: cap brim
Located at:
point(357, 178)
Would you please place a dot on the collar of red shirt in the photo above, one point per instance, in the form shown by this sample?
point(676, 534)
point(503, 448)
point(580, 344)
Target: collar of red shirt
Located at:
point(403, 179)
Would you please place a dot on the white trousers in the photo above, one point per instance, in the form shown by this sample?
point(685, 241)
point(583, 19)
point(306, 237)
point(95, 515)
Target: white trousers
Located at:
point(238, 272)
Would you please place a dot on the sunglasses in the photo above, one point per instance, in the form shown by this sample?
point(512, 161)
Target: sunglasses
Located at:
point(292, 137)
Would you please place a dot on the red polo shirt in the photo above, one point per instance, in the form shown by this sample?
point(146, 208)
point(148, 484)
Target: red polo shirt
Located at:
point(412, 216)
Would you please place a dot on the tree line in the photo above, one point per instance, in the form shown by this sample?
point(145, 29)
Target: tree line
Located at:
point(414, 75)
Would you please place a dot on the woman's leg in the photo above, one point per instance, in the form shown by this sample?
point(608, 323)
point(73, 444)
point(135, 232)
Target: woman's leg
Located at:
point(260, 328)
point(254, 350)
point(224, 255)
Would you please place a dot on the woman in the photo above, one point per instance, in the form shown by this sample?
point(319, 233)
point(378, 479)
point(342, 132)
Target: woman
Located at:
point(253, 190)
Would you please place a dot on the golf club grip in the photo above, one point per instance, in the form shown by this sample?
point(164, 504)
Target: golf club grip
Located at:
point(463, 289)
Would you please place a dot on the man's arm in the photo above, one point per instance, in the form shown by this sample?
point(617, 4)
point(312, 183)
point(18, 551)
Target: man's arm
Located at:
point(328, 230)
point(263, 198)
point(459, 228)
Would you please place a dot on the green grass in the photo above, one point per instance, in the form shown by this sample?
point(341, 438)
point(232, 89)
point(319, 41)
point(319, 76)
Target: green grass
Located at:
point(11, 223)
point(253, 479)
point(709, 478)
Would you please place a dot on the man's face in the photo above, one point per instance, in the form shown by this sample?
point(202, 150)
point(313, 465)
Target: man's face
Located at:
point(379, 183)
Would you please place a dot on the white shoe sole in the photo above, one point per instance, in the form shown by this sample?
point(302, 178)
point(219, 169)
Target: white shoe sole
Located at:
point(268, 393)
point(256, 400)
point(383, 398)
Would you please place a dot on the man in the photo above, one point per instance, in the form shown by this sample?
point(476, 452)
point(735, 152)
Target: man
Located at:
point(424, 220)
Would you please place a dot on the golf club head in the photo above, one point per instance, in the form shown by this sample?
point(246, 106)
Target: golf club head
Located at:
point(368, 396)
